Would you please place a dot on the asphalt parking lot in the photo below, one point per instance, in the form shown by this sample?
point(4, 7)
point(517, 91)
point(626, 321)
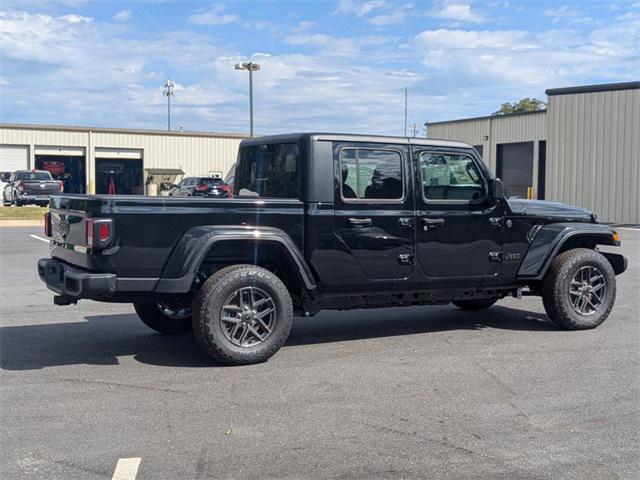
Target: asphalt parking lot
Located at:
point(420, 392)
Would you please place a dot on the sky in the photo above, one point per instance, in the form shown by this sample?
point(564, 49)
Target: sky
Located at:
point(334, 66)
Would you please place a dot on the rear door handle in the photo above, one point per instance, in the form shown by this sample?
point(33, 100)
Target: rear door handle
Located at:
point(406, 222)
point(428, 223)
point(359, 222)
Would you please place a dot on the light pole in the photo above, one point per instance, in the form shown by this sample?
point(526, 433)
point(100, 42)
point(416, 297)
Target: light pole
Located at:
point(169, 87)
point(251, 67)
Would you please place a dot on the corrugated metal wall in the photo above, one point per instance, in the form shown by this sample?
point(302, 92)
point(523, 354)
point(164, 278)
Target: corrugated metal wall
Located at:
point(194, 154)
point(593, 152)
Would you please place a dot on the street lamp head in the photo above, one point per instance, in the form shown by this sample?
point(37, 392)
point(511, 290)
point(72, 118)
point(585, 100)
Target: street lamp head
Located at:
point(247, 66)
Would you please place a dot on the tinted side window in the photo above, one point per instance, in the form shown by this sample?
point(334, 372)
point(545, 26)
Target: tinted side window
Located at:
point(450, 177)
point(271, 170)
point(370, 174)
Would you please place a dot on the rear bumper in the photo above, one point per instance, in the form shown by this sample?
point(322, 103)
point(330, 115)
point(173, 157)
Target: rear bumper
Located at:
point(28, 198)
point(69, 281)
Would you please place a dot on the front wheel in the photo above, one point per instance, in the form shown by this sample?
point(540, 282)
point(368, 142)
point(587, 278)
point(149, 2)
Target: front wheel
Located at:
point(579, 289)
point(5, 203)
point(242, 314)
point(165, 318)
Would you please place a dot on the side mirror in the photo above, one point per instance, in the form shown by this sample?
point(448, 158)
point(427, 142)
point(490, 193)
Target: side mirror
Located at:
point(497, 188)
point(5, 176)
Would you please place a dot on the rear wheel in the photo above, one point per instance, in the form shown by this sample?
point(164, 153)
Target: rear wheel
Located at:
point(242, 314)
point(477, 304)
point(168, 318)
point(579, 289)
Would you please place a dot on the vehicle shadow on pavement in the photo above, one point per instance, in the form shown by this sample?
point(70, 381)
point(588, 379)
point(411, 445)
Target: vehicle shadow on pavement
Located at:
point(103, 338)
point(363, 324)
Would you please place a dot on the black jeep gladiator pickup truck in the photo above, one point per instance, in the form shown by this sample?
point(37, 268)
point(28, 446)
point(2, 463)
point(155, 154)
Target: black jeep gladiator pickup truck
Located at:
point(322, 221)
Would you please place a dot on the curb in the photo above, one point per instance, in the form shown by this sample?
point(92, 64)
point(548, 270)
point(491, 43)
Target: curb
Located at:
point(21, 223)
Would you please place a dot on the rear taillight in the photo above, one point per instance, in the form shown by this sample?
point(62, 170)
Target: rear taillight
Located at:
point(47, 224)
point(21, 186)
point(98, 232)
point(227, 189)
point(61, 187)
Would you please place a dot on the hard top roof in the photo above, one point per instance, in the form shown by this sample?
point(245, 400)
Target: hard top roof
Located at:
point(345, 137)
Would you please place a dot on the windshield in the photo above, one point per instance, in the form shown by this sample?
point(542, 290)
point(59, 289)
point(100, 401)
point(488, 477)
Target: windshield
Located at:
point(34, 176)
point(271, 170)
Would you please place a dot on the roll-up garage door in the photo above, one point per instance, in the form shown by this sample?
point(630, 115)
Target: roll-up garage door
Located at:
point(61, 151)
point(127, 153)
point(13, 157)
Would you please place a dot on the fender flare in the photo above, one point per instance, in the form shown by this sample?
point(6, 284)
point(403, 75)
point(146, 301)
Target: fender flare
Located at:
point(184, 261)
point(549, 240)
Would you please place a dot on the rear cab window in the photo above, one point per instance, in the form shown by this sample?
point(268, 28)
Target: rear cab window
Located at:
point(268, 171)
point(369, 174)
point(36, 176)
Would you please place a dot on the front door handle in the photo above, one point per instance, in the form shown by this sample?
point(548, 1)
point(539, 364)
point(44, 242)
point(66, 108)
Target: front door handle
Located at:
point(431, 223)
point(359, 222)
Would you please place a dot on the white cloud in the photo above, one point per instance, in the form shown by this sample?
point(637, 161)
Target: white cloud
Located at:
point(213, 16)
point(566, 14)
point(469, 39)
point(330, 45)
point(123, 15)
point(76, 19)
point(397, 16)
point(461, 12)
point(360, 8)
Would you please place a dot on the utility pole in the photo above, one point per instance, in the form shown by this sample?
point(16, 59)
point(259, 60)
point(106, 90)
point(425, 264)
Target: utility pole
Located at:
point(405, 110)
point(251, 67)
point(169, 87)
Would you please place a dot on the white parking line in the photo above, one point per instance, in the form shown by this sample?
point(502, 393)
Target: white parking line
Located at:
point(126, 469)
point(39, 238)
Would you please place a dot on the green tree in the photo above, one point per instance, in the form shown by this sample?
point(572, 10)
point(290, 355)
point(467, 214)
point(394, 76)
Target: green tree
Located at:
point(524, 105)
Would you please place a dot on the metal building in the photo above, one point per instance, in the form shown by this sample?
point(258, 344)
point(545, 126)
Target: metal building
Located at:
point(89, 160)
point(583, 150)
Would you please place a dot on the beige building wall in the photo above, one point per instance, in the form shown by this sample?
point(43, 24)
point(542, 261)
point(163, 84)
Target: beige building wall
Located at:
point(593, 152)
point(195, 153)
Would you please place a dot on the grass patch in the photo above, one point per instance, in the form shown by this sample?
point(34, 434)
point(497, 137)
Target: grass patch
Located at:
point(22, 213)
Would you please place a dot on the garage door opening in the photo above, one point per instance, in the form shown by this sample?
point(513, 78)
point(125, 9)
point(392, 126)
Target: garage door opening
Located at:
point(119, 176)
point(67, 164)
point(119, 171)
point(515, 167)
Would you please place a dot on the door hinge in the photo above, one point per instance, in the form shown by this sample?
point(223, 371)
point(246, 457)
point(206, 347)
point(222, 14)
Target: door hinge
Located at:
point(495, 256)
point(405, 259)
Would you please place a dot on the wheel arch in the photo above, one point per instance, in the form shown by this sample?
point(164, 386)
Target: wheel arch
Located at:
point(554, 239)
point(201, 246)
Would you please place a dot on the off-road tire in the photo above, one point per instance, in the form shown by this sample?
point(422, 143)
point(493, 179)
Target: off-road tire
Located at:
point(152, 317)
point(556, 283)
point(207, 309)
point(476, 304)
